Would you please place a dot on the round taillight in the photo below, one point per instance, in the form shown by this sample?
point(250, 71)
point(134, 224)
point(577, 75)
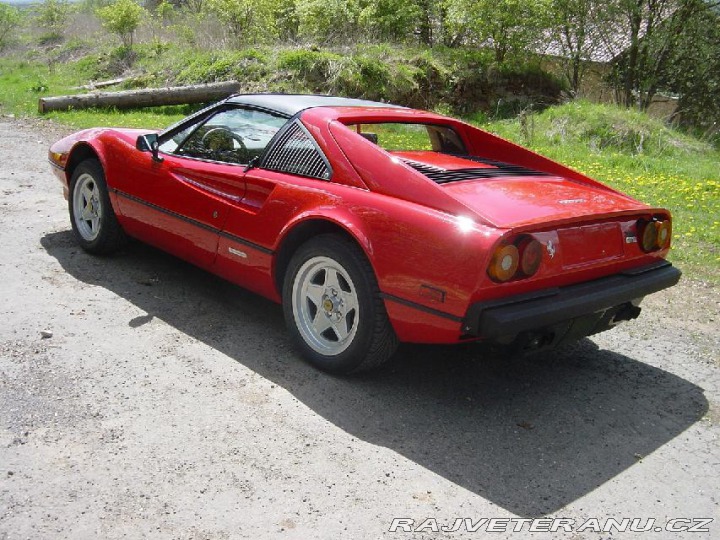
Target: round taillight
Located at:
point(648, 235)
point(504, 263)
point(664, 232)
point(531, 257)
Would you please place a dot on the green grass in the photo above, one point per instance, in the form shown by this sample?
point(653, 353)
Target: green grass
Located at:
point(150, 118)
point(23, 83)
point(642, 157)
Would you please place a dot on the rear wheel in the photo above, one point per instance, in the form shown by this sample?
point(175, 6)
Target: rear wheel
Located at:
point(91, 215)
point(333, 308)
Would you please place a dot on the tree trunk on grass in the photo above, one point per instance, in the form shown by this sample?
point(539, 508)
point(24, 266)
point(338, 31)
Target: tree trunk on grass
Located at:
point(151, 97)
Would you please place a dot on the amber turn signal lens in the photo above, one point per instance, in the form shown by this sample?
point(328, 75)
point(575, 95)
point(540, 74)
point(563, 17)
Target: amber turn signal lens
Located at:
point(648, 235)
point(664, 232)
point(59, 158)
point(531, 257)
point(504, 263)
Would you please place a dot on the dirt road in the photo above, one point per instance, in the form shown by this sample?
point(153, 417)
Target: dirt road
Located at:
point(169, 404)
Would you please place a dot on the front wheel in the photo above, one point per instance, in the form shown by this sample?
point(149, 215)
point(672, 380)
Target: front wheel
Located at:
point(333, 308)
point(91, 215)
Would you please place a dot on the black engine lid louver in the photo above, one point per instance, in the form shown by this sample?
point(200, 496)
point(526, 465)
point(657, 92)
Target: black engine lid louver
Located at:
point(499, 170)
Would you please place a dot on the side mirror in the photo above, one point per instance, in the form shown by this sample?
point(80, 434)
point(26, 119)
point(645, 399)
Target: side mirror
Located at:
point(149, 143)
point(252, 163)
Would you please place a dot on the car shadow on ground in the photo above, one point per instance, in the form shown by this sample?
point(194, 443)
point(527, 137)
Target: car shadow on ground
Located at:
point(528, 435)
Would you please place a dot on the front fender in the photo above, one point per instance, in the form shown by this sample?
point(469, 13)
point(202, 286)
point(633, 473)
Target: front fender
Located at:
point(67, 153)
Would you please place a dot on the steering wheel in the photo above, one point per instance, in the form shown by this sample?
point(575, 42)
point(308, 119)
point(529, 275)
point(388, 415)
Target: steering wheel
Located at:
point(221, 134)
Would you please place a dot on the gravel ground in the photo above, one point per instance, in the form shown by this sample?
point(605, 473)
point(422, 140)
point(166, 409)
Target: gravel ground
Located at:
point(142, 397)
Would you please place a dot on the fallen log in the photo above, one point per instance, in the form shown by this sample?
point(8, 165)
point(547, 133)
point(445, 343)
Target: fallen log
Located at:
point(150, 97)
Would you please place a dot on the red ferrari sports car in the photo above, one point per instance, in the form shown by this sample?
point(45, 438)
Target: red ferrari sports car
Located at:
point(372, 224)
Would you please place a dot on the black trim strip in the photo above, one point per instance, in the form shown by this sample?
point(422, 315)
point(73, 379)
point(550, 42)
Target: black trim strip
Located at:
point(191, 221)
point(510, 316)
point(420, 307)
point(248, 243)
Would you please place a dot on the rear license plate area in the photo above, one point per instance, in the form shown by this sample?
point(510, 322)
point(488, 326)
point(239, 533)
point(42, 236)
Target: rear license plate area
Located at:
point(590, 244)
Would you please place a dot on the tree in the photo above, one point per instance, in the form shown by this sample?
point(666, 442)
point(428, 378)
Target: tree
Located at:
point(506, 26)
point(9, 20)
point(328, 20)
point(122, 17)
point(164, 12)
point(694, 73)
point(247, 20)
point(575, 32)
point(390, 20)
point(425, 21)
point(654, 31)
point(53, 16)
point(286, 19)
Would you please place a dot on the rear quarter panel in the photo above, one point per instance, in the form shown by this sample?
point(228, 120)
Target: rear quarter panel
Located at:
point(427, 263)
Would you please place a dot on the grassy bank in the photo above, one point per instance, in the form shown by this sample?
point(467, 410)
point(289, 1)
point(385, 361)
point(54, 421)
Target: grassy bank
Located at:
point(458, 80)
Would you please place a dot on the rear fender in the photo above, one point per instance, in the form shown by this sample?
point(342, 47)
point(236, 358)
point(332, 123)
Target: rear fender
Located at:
point(309, 224)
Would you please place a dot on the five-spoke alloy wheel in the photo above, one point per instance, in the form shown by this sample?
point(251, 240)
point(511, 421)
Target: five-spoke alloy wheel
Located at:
point(91, 214)
point(325, 305)
point(333, 307)
point(87, 207)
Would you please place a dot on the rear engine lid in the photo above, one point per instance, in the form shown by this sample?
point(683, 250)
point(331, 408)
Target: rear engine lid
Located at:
point(510, 195)
point(516, 201)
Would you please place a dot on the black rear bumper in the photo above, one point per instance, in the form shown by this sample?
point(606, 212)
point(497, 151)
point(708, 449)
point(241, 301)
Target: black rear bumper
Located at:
point(576, 310)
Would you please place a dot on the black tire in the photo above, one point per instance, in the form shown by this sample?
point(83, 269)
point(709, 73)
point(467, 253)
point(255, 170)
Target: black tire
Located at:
point(337, 274)
point(100, 233)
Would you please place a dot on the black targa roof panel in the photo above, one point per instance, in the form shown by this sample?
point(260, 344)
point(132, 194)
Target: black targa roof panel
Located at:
point(291, 104)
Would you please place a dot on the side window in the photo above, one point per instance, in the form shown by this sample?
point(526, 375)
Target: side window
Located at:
point(296, 153)
point(169, 146)
point(231, 136)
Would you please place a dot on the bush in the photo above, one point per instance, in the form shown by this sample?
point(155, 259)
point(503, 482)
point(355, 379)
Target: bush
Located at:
point(247, 66)
point(248, 21)
point(504, 91)
point(328, 20)
point(459, 81)
point(9, 20)
point(313, 66)
point(53, 16)
point(122, 17)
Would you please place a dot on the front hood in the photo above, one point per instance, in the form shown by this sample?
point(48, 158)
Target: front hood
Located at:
point(511, 196)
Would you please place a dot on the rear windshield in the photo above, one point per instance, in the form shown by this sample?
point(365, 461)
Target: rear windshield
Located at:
point(411, 137)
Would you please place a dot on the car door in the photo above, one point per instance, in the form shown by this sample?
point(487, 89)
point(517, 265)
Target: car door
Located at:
point(184, 199)
point(291, 166)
